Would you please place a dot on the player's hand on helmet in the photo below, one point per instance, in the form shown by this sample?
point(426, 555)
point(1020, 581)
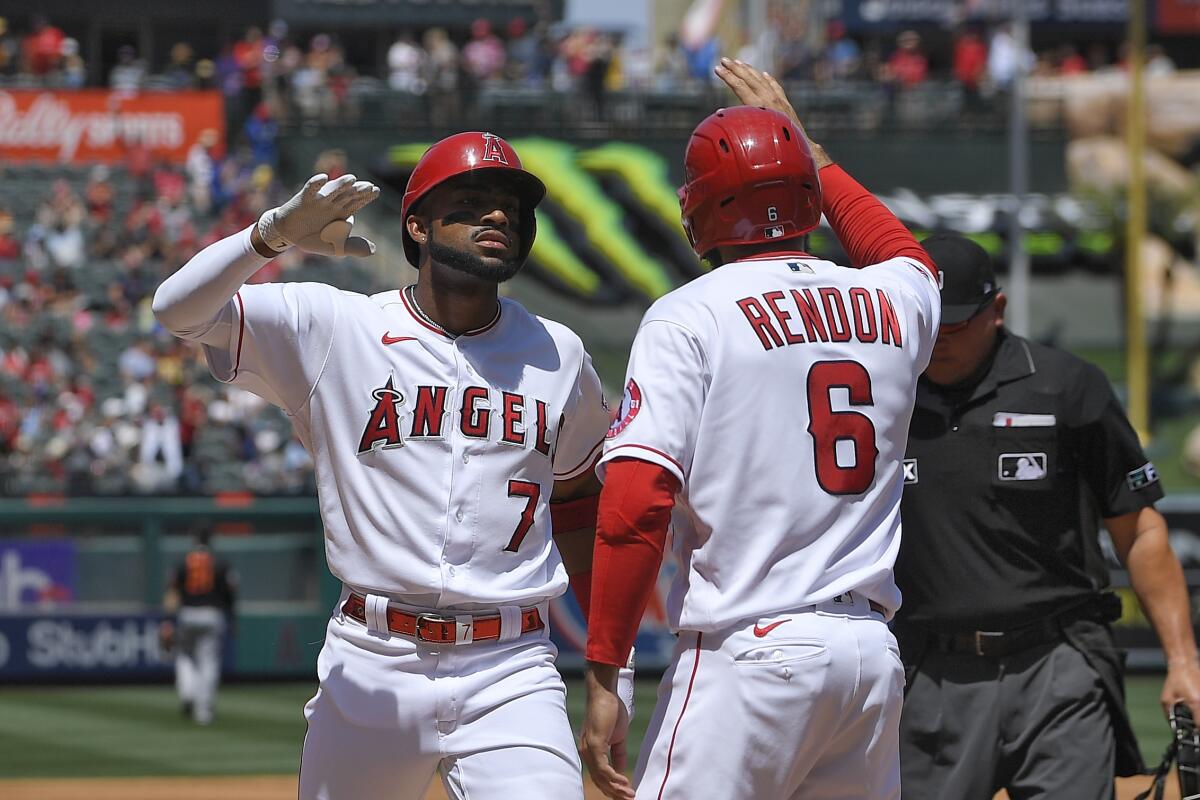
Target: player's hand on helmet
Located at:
point(753, 87)
point(602, 744)
point(318, 219)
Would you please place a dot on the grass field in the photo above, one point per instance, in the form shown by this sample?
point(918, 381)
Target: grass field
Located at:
point(138, 730)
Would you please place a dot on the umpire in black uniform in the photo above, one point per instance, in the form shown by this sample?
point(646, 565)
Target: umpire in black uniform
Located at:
point(1015, 455)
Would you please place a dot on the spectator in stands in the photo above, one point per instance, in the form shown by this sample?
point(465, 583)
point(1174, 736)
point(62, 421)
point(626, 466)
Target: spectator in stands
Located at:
point(74, 72)
point(523, 53)
point(1005, 58)
point(311, 81)
point(129, 72)
point(1069, 61)
point(98, 195)
point(42, 48)
point(261, 132)
point(206, 74)
point(444, 93)
point(137, 362)
point(160, 453)
point(10, 50)
point(484, 55)
point(406, 65)
point(64, 241)
point(248, 53)
point(181, 70)
point(843, 58)
point(907, 67)
point(1158, 62)
point(201, 169)
point(10, 246)
point(670, 65)
point(970, 60)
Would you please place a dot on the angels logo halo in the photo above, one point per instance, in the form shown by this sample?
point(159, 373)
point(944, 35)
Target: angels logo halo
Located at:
point(492, 150)
point(631, 402)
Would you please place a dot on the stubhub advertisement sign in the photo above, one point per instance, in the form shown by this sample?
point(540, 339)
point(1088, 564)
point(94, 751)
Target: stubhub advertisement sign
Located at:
point(85, 646)
point(36, 572)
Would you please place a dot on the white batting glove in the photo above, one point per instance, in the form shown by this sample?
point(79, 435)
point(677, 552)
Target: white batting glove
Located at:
point(319, 217)
point(625, 694)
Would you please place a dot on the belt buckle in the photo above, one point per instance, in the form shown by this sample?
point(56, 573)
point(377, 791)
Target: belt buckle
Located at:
point(981, 636)
point(427, 619)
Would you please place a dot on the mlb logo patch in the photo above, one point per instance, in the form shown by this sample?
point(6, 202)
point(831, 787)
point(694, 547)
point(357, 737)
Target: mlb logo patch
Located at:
point(1022, 466)
point(910, 471)
point(773, 232)
point(1142, 477)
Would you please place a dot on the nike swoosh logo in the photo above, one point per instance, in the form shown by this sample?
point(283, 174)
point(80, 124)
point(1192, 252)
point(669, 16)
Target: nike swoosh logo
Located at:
point(761, 631)
point(388, 339)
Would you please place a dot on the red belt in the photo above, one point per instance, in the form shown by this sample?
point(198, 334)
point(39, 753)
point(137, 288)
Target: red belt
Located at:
point(440, 628)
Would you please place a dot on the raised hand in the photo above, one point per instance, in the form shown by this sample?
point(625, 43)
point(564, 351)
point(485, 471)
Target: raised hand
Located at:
point(319, 217)
point(753, 87)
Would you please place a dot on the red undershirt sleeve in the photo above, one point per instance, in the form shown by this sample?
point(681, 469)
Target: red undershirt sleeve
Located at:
point(631, 533)
point(869, 232)
point(581, 586)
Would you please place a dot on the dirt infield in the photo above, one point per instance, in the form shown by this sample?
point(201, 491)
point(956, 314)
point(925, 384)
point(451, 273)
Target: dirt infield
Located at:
point(273, 787)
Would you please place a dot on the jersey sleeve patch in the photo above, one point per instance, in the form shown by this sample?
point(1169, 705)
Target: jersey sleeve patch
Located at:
point(631, 403)
point(1142, 477)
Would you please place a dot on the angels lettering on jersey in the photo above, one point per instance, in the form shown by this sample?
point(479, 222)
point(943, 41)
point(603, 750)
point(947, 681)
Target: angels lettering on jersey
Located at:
point(521, 421)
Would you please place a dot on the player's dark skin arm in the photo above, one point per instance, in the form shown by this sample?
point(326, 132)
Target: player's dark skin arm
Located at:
point(575, 546)
point(1140, 539)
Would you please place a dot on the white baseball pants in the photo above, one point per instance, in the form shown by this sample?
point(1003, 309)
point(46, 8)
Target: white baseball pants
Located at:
point(797, 706)
point(390, 713)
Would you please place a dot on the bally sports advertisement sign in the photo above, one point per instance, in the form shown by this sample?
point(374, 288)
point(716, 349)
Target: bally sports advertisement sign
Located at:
point(101, 125)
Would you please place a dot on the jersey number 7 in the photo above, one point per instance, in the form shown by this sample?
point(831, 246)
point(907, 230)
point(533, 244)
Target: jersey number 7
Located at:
point(828, 427)
point(531, 492)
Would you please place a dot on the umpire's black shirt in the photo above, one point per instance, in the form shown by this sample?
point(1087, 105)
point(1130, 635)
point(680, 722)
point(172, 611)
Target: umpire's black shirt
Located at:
point(1006, 481)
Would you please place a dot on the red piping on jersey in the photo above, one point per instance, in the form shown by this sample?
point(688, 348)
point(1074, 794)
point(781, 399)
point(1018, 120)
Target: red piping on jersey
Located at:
point(237, 362)
point(440, 330)
point(682, 711)
point(652, 450)
point(591, 455)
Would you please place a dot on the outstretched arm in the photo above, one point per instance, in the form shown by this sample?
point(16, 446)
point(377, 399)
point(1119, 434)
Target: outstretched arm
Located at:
point(190, 302)
point(868, 231)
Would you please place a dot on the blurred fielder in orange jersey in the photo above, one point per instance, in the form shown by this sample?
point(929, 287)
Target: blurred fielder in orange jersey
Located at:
point(765, 414)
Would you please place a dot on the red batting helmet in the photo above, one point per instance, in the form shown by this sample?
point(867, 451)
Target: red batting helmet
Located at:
point(471, 153)
point(749, 178)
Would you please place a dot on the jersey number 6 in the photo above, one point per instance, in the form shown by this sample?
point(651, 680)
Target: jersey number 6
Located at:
point(531, 492)
point(828, 427)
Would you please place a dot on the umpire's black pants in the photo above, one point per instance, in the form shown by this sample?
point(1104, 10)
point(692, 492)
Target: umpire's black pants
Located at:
point(1034, 723)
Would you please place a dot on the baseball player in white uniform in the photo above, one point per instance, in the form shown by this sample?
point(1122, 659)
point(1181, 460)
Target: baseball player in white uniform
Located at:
point(454, 436)
point(765, 417)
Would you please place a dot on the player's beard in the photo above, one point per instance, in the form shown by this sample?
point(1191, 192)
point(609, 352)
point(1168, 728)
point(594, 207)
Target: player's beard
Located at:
point(492, 268)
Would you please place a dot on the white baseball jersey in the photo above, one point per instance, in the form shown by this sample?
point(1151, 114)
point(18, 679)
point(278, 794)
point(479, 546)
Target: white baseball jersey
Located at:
point(778, 391)
point(435, 456)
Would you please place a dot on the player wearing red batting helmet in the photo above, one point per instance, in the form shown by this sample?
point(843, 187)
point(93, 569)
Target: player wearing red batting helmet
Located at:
point(478, 163)
point(455, 435)
point(800, 373)
point(751, 179)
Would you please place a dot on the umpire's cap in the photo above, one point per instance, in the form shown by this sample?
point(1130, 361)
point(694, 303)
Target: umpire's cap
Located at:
point(968, 278)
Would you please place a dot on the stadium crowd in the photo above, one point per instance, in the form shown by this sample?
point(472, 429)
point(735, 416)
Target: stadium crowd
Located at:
point(312, 77)
point(94, 397)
